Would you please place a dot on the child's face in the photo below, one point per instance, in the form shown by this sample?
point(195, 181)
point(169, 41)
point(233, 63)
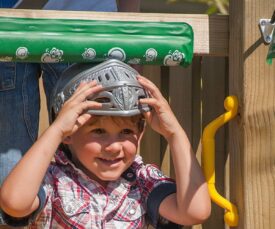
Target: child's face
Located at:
point(105, 147)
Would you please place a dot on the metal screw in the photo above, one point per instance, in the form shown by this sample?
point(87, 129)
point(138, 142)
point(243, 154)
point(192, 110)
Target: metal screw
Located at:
point(268, 38)
point(263, 22)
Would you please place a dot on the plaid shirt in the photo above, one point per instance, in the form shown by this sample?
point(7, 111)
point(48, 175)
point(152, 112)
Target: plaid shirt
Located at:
point(70, 199)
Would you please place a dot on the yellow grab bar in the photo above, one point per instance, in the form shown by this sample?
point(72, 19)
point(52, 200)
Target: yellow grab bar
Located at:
point(208, 159)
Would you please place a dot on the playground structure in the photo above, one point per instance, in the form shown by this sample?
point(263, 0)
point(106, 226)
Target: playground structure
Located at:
point(230, 59)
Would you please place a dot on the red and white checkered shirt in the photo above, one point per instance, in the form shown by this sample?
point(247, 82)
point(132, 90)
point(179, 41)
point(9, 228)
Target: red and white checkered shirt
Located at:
point(72, 200)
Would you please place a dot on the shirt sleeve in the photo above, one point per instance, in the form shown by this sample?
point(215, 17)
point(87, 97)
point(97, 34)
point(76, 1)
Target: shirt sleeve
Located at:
point(24, 221)
point(156, 187)
point(155, 198)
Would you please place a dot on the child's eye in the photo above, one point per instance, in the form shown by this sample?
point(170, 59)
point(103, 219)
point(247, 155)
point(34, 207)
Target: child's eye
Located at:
point(98, 131)
point(127, 131)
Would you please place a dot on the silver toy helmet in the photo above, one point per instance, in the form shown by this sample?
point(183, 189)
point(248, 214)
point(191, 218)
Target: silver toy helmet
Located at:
point(119, 95)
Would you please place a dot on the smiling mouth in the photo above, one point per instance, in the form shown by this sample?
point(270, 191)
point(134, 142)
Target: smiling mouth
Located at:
point(110, 162)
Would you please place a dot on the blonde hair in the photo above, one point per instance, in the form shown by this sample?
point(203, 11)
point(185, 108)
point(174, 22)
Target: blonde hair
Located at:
point(137, 120)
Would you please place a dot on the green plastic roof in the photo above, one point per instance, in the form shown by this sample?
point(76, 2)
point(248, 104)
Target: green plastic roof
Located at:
point(68, 40)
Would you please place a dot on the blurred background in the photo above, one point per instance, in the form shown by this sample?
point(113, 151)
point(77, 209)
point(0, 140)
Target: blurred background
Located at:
point(186, 6)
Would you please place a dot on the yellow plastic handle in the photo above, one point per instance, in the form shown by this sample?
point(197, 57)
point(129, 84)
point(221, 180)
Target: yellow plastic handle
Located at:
point(208, 159)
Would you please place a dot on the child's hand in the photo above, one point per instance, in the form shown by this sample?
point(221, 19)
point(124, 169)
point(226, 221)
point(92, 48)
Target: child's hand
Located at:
point(72, 115)
point(161, 118)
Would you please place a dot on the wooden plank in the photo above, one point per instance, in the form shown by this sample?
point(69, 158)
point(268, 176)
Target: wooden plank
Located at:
point(196, 104)
point(252, 134)
point(210, 32)
point(180, 94)
point(196, 112)
point(166, 160)
point(214, 90)
point(150, 144)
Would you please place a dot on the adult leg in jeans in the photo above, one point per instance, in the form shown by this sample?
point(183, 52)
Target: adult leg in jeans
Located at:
point(19, 109)
point(50, 75)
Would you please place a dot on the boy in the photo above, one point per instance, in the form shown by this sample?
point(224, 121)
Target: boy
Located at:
point(97, 180)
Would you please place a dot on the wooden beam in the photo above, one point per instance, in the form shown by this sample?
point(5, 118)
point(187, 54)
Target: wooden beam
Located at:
point(252, 134)
point(210, 32)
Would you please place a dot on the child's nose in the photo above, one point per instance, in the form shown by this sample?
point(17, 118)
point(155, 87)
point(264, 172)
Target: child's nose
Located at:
point(113, 147)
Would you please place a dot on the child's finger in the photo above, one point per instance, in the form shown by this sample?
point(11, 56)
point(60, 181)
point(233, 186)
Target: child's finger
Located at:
point(85, 91)
point(150, 86)
point(82, 119)
point(88, 105)
point(153, 103)
point(80, 106)
point(83, 86)
point(84, 94)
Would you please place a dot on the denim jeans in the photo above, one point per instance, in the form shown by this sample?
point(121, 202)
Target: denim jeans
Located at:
point(19, 108)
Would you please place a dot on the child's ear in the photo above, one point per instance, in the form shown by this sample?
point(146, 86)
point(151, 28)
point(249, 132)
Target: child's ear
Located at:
point(67, 140)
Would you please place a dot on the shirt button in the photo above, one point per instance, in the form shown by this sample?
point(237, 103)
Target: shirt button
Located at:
point(132, 211)
point(130, 175)
point(69, 209)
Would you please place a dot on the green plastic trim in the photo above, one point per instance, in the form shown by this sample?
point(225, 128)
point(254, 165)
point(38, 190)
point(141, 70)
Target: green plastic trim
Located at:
point(69, 40)
point(271, 50)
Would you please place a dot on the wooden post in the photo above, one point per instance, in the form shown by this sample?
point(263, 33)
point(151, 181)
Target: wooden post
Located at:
point(252, 134)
